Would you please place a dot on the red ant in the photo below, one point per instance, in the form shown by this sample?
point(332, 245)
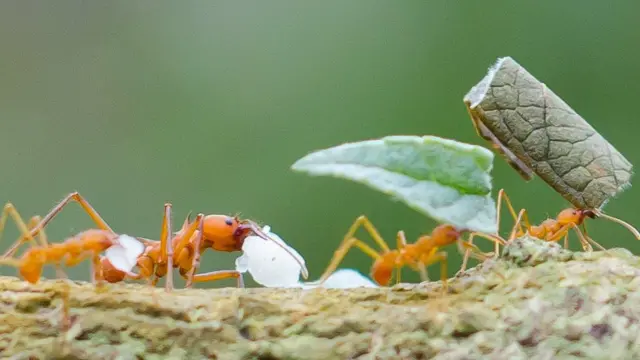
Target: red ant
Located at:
point(218, 232)
point(418, 255)
point(554, 229)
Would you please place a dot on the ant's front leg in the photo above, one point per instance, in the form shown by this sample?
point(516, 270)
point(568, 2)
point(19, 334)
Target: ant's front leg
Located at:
point(220, 275)
point(166, 248)
point(195, 264)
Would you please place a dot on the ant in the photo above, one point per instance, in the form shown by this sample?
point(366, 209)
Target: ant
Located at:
point(418, 256)
point(554, 229)
point(71, 252)
point(181, 250)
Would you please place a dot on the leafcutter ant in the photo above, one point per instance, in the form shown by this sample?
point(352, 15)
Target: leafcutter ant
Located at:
point(553, 229)
point(424, 252)
point(180, 250)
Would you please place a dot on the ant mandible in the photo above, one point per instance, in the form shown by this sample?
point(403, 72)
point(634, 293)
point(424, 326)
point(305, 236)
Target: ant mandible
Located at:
point(218, 232)
point(419, 255)
point(554, 229)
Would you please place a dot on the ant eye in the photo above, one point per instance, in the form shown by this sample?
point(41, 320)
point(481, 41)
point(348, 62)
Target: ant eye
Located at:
point(229, 221)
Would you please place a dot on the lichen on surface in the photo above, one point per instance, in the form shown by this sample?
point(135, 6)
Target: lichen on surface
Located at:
point(537, 301)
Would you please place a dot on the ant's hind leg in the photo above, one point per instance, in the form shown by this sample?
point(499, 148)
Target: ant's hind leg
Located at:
point(522, 219)
point(502, 196)
point(373, 232)
point(349, 240)
point(76, 197)
point(9, 210)
point(342, 251)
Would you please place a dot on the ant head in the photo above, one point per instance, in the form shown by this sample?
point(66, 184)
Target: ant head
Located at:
point(221, 231)
point(445, 234)
point(571, 216)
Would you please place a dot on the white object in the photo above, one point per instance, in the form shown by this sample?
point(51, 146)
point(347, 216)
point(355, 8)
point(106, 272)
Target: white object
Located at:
point(124, 254)
point(343, 279)
point(270, 263)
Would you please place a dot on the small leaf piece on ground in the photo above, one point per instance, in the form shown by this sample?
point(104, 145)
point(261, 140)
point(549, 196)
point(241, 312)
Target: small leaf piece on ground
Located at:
point(444, 179)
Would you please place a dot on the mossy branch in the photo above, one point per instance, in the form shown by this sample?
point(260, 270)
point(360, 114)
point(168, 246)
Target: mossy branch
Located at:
point(536, 301)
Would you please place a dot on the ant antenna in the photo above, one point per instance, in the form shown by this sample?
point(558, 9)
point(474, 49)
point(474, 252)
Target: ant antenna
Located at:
point(633, 230)
point(256, 229)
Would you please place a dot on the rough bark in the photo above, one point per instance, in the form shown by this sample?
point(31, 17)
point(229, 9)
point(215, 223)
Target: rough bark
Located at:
point(537, 301)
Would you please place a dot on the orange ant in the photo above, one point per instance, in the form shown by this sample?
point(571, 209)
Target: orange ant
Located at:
point(182, 251)
point(554, 229)
point(418, 256)
point(71, 252)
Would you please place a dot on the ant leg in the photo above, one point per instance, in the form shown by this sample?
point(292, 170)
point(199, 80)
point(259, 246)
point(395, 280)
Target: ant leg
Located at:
point(441, 257)
point(195, 264)
point(522, 218)
point(373, 232)
point(467, 253)
point(11, 262)
point(74, 196)
point(166, 247)
point(342, 251)
point(401, 242)
point(187, 234)
point(219, 275)
point(586, 235)
point(502, 196)
point(564, 230)
point(468, 248)
point(9, 210)
point(339, 255)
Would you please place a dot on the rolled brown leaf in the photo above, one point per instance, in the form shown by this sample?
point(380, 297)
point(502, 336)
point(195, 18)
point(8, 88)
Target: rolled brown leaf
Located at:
point(538, 132)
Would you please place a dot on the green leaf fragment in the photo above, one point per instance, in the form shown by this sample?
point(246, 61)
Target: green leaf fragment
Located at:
point(444, 179)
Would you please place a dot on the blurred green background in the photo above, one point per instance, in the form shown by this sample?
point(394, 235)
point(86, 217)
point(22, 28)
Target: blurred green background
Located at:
point(207, 104)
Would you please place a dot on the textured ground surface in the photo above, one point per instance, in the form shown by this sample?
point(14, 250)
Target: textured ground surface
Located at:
point(536, 302)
